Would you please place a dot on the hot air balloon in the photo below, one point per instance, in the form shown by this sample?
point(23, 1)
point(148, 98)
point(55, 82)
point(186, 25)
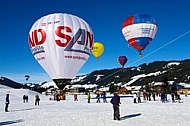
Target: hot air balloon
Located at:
point(122, 60)
point(61, 43)
point(27, 77)
point(97, 49)
point(139, 30)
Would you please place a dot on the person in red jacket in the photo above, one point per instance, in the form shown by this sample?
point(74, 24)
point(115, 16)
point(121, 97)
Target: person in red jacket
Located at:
point(75, 97)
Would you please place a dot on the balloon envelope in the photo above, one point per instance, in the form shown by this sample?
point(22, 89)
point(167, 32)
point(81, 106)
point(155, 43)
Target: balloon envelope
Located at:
point(139, 30)
point(61, 43)
point(122, 60)
point(27, 77)
point(97, 49)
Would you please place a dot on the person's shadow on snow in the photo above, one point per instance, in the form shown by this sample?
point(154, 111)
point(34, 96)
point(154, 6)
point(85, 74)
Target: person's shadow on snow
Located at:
point(130, 116)
point(23, 109)
point(11, 122)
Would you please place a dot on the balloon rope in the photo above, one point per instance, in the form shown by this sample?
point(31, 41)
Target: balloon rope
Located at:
point(161, 47)
point(109, 75)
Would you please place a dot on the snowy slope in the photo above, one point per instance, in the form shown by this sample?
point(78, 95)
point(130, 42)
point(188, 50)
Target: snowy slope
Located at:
point(81, 113)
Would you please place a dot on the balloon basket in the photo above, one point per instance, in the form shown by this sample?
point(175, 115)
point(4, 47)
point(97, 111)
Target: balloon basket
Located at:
point(63, 97)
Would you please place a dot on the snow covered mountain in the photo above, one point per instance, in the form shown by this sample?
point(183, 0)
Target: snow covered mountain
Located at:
point(175, 71)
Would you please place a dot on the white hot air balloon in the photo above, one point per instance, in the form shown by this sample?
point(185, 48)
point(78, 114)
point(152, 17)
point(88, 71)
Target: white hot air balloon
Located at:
point(61, 43)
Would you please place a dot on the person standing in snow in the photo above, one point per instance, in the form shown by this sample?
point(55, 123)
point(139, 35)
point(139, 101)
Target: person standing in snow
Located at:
point(163, 97)
point(135, 98)
point(24, 98)
point(37, 100)
point(7, 102)
point(104, 97)
point(98, 98)
point(149, 96)
point(88, 97)
point(173, 99)
point(144, 96)
point(178, 97)
point(115, 101)
point(139, 97)
point(75, 97)
point(154, 96)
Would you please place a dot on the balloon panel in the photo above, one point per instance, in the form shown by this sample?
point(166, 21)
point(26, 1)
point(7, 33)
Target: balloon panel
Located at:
point(27, 77)
point(61, 43)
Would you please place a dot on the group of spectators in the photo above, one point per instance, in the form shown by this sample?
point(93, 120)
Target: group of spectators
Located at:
point(25, 100)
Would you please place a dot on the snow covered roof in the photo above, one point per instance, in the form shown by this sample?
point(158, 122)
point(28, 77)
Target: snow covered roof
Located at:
point(133, 87)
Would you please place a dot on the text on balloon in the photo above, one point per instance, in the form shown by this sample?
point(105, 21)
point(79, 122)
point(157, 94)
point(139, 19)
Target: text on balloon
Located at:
point(63, 39)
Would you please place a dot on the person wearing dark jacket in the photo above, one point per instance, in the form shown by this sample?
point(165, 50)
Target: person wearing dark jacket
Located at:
point(24, 98)
point(37, 100)
point(115, 102)
point(7, 102)
point(104, 97)
point(98, 98)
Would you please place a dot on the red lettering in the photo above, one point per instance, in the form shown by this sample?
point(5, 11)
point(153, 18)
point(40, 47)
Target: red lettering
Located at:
point(38, 37)
point(62, 35)
point(31, 43)
point(35, 40)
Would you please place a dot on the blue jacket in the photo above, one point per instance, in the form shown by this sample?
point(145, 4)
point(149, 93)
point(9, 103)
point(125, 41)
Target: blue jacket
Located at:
point(115, 100)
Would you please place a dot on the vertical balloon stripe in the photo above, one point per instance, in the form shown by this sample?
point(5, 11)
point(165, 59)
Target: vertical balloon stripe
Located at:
point(144, 18)
point(128, 22)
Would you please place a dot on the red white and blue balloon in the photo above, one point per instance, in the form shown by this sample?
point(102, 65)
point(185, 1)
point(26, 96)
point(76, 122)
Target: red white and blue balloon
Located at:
point(139, 30)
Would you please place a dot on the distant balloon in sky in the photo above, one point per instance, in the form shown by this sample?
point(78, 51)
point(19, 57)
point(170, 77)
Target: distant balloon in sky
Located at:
point(139, 30)
point(97, 49)
point(27, 77)
point(61, 43)
point(122, 60)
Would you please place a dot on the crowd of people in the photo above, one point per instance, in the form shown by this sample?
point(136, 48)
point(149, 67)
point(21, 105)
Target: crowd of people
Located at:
point(115, 100)
point(152, 96)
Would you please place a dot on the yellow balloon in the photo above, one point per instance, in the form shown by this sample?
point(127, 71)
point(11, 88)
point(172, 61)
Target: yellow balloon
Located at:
point(97, 49)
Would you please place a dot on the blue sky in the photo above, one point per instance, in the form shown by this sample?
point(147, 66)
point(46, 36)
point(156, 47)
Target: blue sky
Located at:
point(105, 18)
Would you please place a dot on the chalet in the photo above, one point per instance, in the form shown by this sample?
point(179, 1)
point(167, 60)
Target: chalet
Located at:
point(133, 89)
point(185, 89)
point(123, 90)
point(98, 92)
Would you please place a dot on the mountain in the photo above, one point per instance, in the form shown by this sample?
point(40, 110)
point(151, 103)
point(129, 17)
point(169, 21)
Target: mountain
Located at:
point(158, 71)
point(33, 86)
point(10, 83)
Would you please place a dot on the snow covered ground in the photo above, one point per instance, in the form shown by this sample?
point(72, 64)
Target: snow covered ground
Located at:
point(81, 113)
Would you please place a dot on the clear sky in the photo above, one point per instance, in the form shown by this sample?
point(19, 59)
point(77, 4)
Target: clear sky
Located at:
point(105, 18)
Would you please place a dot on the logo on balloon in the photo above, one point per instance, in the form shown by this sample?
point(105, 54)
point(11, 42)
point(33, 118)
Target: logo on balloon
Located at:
point(146, 30)
point(81, 38)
